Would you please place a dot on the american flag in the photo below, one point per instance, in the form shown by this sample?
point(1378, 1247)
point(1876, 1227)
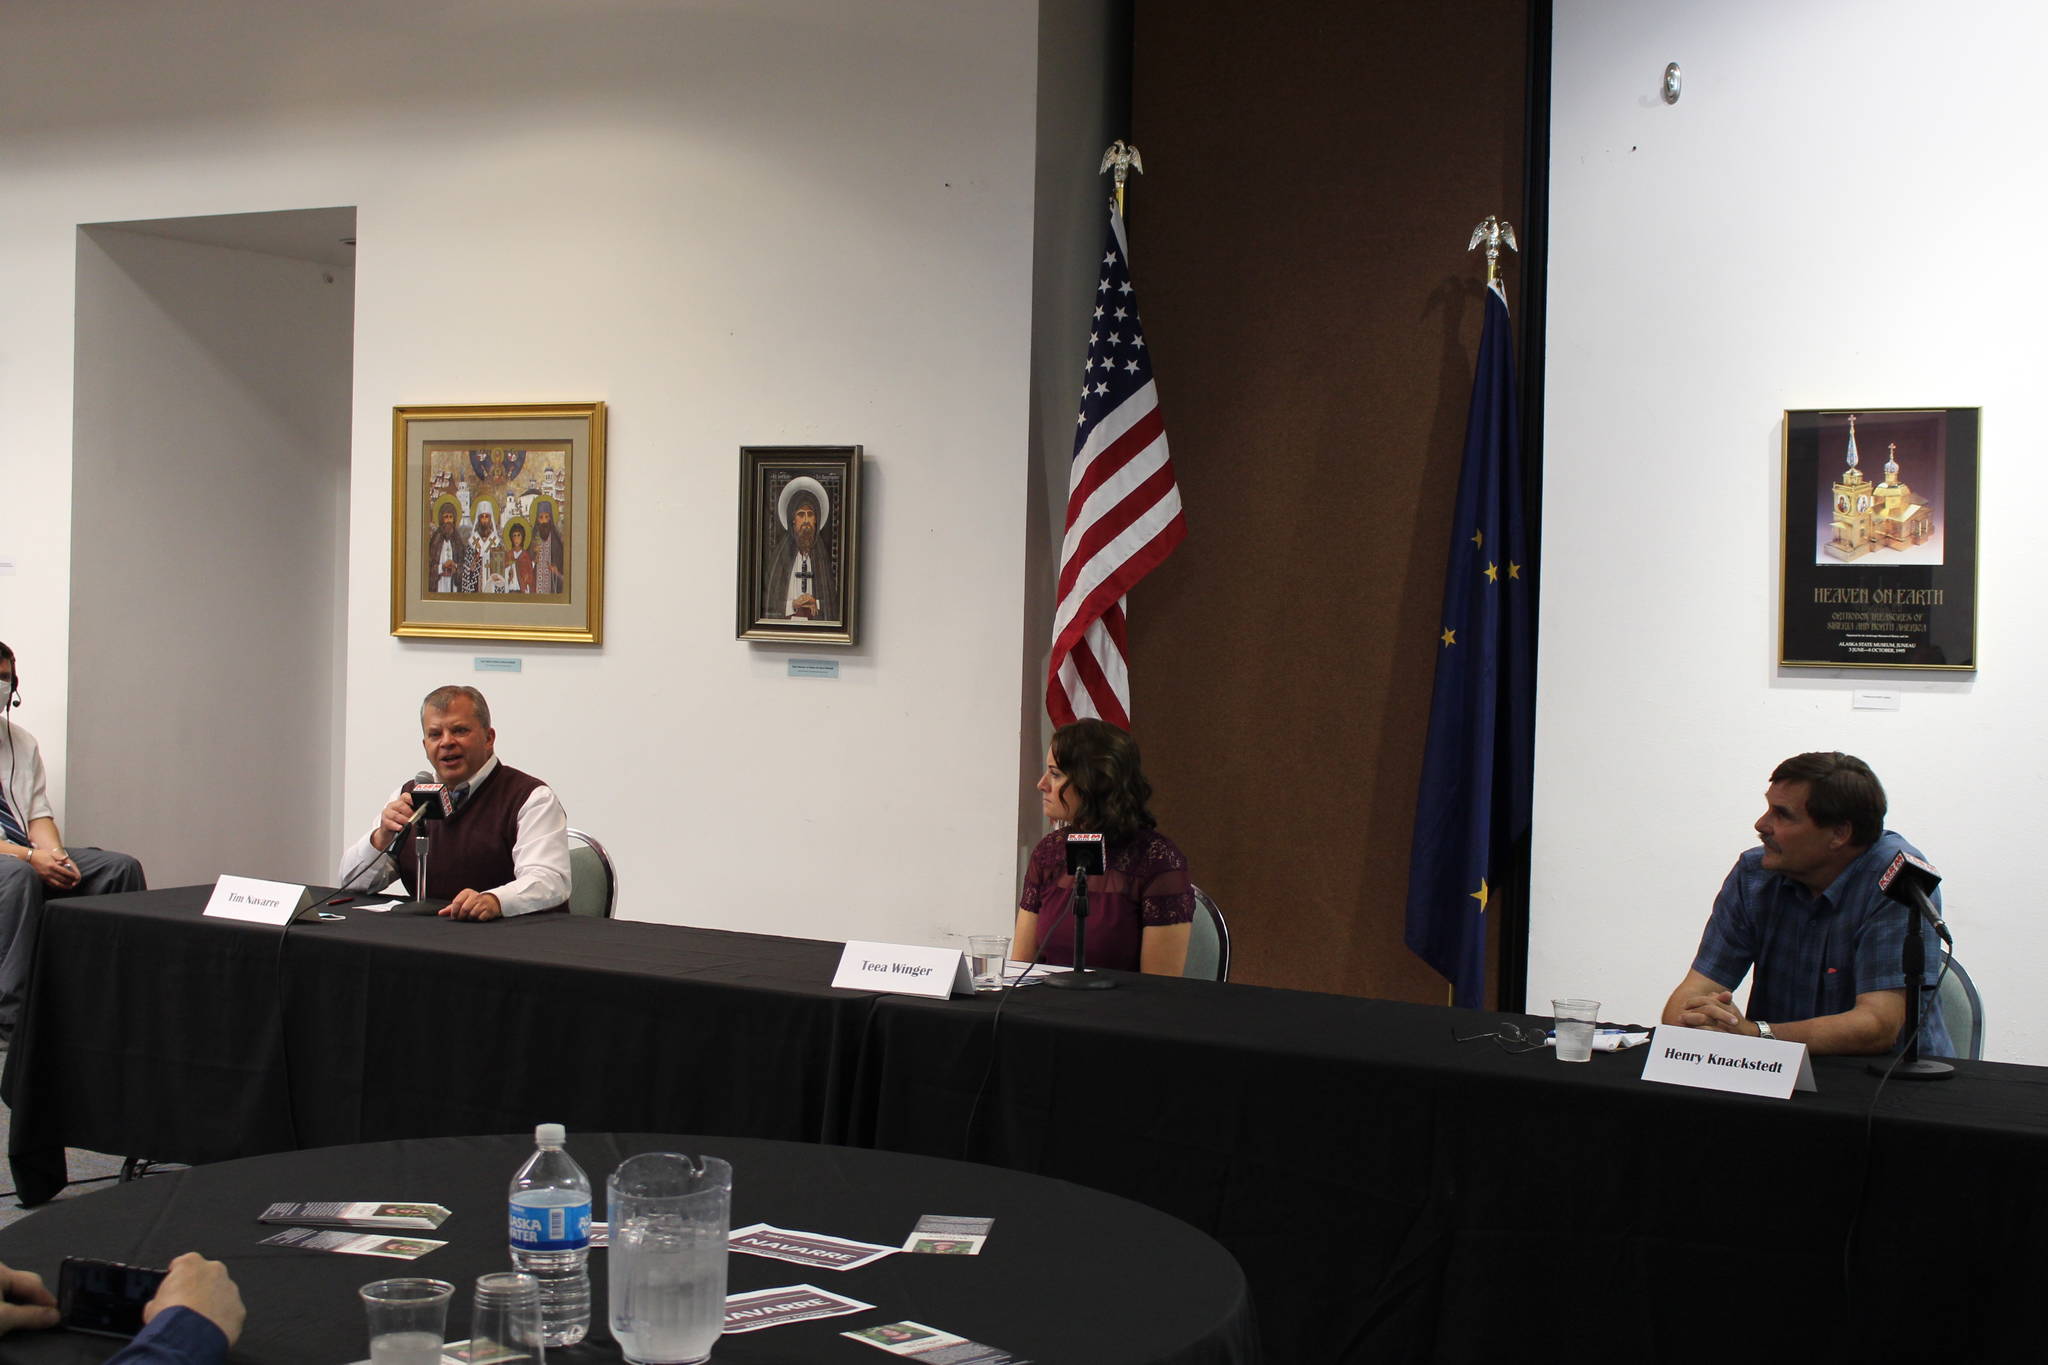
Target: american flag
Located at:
point(1123, 507)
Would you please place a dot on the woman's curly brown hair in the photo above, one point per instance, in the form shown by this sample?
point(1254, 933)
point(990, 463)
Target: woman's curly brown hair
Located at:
point(1103, 772)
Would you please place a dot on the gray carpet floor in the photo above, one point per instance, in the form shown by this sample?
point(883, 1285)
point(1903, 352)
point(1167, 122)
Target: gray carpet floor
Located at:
point(89, 1171)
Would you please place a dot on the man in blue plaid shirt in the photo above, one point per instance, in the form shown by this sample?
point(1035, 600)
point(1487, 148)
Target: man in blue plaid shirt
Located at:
point(1804, 910)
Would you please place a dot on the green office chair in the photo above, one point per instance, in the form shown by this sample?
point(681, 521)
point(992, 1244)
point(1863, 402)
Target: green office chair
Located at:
point(593, 882)
point(1962, 1009)
point(1208, 941)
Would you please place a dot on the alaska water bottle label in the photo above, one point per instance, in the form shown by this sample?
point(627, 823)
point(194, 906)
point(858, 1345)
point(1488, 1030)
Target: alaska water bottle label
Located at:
point(550, 1227)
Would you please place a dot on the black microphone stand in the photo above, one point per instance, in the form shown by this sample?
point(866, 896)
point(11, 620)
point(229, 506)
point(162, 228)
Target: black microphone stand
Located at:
point(1081, 978)
point(1913, 957)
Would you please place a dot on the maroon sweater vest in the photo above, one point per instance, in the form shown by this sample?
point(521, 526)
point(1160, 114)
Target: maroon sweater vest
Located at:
point(473, 850)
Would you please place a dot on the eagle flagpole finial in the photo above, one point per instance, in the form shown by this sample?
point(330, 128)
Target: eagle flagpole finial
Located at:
point(1496, 233)
point(1121, 157)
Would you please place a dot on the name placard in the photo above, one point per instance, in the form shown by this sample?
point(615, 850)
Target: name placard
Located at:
point(903, 969)
point(1727, 1061)
point(257, 901)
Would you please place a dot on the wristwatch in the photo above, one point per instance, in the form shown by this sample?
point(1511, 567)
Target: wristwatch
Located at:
point(1763, 1030)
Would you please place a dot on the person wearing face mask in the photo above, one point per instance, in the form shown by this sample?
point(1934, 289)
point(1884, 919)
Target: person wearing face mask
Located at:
point(505, 850)
point(1140, 908)
point(35, 865)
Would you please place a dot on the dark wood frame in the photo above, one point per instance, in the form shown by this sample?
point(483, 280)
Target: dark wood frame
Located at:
point(764, 472)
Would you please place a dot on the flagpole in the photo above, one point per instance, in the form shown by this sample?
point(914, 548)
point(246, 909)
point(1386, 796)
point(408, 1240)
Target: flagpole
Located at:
point(1120, 157)
point(1495, 232)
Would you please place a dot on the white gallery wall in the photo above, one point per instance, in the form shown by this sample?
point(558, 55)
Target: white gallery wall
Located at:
point(1836, 213)
point(210, 470)
point(735, 222)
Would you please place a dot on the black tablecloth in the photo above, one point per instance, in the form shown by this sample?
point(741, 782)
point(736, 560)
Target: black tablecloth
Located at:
point(1070, 1276)
point(153, 1032)
point(1391, 1194)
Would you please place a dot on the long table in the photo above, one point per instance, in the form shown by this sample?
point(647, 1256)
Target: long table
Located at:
point(1390, 1193)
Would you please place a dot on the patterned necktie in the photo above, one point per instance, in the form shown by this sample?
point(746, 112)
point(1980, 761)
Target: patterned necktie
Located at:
point(10, 828)
point(461, 795)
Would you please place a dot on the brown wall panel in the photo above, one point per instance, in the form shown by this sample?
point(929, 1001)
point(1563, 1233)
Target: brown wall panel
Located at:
point(1313, 172)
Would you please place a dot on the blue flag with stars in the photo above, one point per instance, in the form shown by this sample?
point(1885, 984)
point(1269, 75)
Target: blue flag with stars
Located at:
point(1476, 769)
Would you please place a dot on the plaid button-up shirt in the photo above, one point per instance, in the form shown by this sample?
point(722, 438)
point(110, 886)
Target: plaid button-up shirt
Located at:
point(1814, 954)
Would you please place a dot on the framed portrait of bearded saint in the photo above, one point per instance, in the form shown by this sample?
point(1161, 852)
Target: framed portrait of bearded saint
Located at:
point(497, 522)
point(799, 544)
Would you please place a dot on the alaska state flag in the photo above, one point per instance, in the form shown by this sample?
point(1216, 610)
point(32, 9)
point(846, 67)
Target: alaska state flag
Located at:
point(1474, 801)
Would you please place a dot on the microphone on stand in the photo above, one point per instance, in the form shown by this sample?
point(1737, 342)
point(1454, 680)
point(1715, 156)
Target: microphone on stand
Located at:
point(430, 801)
point(1086, 853)
point(1908, 881)
point(435, 804)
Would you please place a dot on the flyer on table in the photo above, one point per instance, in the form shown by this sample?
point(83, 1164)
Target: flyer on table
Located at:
point(806, 1248)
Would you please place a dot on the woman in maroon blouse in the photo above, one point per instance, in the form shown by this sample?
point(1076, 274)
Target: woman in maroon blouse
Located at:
point(1140, 908)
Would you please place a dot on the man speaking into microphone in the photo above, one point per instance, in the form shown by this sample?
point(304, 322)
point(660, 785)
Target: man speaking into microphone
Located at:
point(1807, 910)
point(503, 848)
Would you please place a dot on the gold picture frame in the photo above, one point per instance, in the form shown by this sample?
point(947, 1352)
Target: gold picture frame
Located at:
point(497, 522)
point(1878, 557)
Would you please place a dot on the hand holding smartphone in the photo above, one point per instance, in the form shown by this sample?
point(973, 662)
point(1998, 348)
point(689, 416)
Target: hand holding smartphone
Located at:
point(104, 1297)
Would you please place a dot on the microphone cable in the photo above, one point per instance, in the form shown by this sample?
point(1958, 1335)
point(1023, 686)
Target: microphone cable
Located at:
point(1870, 1137)
point(284, 1041)
point(995, 1022)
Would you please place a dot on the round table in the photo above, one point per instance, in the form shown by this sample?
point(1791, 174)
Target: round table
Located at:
point(1069, 1276)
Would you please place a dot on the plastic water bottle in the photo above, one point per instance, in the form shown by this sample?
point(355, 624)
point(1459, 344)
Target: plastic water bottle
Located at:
point(550, 1227)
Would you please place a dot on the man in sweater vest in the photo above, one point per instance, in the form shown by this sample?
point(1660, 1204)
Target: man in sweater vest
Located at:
point(504, 851)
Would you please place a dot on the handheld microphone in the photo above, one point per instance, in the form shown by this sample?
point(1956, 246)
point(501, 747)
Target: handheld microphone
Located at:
point(1908, 881)
point(423, 809)
point(430, 801)
point(1085, 854)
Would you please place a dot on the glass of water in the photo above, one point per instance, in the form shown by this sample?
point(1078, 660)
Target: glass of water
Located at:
point(1575, 1023)
point(407, 1319)
point(669, 1216)
point(987, 954)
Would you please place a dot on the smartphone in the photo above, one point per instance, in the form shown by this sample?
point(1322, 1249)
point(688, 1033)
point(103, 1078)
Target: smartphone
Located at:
point(104, 1297)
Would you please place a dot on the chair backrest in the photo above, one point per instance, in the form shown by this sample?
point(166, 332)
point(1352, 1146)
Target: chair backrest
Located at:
point(1962, 1009)
point(593, 882)
point(1208, 941)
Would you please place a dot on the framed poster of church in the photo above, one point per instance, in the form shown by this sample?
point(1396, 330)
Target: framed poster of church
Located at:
point(799, 544)
point(1880, 539)
point(497, 522)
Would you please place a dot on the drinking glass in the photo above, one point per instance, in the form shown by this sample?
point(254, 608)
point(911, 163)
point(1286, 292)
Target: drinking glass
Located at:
point(506, 1316)
point(1575, 1022)
point(407, 1319)
point(987, 954)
